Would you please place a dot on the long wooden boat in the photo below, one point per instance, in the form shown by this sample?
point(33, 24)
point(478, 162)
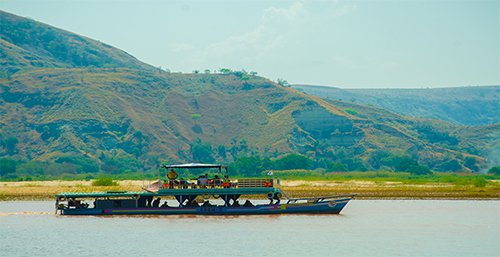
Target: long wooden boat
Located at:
point(188, 196)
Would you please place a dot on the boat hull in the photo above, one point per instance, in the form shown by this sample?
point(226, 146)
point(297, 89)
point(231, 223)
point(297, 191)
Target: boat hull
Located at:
point(326, 207)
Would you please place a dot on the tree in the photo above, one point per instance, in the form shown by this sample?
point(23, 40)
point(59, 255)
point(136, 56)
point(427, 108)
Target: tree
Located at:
point(10, 144)
point(451, 165)
point(221, 149)
point(120, 163)
point(201, 151)
point(336, 166)
point(283, 82)
point(377, 159)
point(32, 168)
point(354, 164)
point(403, 163)
point(243, 75)
point(494, 170)
point(471, 163)
point(225, 70)
point(407, 164)
point(417, 169)
point(82, 164)
point(249, 166)
point(293, 161)
point(7, 166)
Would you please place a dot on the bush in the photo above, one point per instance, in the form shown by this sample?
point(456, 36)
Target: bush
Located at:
point(407, 164)
point(494, 170)
point(450, 165)
point(351, 112)
point(201, 151)
point(293, 161)
point(82, 164)
point(336, 166)
point(471, 163)
point(120, 163)
point(7, 166)
point(104, 182)
point(480, 182)
point(417, 169)
point(354, 164)
point(250, 166)
point(379, 158)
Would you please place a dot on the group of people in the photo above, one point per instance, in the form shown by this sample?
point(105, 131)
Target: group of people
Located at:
point(149, 202)
point(155, 203)
point(203, 181)
point(77, 203)
point(207, 203)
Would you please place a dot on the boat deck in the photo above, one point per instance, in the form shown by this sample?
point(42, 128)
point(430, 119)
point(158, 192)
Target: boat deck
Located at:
point(174, 192)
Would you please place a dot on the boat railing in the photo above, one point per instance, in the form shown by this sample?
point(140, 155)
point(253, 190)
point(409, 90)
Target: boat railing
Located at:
point(214, 183)
point(320, 199)
point(255, 182)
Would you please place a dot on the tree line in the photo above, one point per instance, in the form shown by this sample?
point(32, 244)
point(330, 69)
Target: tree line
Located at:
point(242, 161)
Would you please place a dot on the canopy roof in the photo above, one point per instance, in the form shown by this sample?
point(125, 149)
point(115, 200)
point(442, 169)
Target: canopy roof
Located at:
point(194, 166)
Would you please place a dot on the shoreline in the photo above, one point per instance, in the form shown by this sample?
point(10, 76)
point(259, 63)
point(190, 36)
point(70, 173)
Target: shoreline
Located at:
point(365, 190)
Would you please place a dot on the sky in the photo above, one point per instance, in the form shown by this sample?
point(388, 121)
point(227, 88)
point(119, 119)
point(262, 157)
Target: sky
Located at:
point(348, 44)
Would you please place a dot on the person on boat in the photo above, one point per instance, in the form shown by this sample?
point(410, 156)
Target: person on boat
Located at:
point(248, 204)
point(156, 203)
point(71, 202)
point(198, 181)
point(171, 176)
point(226, 182)
point(277, 198)
point(236, 204)
point(149, 201)
point(183, 183)
point(194, 203)
point(203, 181)
point(217, 181)
point(164, 205)
point(142, 201)
point(206, 204)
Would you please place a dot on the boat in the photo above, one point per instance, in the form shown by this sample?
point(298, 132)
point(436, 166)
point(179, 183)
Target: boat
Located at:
point(201, 196)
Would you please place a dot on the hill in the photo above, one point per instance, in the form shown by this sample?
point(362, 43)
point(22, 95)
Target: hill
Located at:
point(63, 116)
point(461, 105)
point(141, 117)
point(28, 44)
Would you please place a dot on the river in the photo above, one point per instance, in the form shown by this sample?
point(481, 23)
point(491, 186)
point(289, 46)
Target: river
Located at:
point(365, 228)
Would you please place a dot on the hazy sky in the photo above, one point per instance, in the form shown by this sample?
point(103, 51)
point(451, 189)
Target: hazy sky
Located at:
point(342, 43)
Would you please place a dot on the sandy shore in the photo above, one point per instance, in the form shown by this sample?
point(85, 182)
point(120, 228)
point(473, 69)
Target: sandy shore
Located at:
point(39, 190)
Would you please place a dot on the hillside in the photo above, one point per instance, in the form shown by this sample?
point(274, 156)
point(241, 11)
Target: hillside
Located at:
point(69, 116)
point(148, 116)
point(461, 105)
point(28, 44)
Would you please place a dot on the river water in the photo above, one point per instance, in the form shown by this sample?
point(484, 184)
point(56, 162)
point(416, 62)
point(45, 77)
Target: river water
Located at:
point(365, 228)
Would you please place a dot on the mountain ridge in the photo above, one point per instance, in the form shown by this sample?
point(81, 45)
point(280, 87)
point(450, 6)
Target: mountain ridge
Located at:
point(476, 105)
point(28, 44)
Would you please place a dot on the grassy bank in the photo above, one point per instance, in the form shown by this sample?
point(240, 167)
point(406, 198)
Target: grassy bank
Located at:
point(365, 188)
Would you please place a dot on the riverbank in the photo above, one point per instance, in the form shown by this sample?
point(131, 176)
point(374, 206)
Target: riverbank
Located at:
point(43, 190)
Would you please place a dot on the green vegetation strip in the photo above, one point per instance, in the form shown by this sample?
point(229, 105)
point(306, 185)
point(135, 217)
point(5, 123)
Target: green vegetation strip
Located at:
point(368, 185)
